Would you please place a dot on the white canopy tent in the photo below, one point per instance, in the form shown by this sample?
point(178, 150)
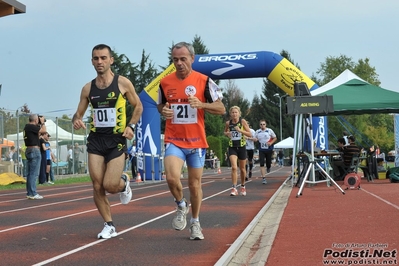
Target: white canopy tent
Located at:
point(287, 143)
point(342, 78)
point(55, 131)
point(60, 138)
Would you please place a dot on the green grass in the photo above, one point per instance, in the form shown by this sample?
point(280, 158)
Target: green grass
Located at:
point(62, 181)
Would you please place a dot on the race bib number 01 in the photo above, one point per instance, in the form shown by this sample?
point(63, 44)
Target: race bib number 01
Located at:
point(184, 114)
point(105, 117)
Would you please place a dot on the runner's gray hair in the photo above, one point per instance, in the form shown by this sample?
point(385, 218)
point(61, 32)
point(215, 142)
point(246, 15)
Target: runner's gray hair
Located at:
point(189, 47)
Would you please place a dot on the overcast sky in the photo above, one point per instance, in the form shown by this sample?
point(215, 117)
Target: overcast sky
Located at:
point(45, 53)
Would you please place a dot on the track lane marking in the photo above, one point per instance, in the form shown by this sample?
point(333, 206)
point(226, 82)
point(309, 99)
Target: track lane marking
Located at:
point(71, 192)
point(383, 200)
point(124, 231)
point(87, 211)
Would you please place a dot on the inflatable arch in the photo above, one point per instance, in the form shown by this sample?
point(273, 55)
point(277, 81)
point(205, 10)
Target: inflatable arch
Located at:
point(261, 64)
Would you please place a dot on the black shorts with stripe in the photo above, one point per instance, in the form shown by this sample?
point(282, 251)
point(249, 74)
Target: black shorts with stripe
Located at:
point(108, 146)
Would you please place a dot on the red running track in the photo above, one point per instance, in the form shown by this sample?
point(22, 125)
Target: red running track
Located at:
point(61, 229)
point(325, 227)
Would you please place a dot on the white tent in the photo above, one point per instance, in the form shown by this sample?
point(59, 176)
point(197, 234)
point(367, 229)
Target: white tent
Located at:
point(342, 78)
point(55, 132)
point(287, 143)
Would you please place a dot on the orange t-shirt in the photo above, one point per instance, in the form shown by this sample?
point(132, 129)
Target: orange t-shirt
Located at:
point(187, 128)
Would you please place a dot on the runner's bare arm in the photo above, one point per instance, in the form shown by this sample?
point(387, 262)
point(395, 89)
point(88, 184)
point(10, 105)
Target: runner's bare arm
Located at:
point(128, 89)
point(216, 107)
point(82, 107)
point(227, 132)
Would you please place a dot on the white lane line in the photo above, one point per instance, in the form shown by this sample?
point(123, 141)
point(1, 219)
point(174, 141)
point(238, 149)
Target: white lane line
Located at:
point(45, 205)
point(121, 232)
point(83, 212)
point(383, 200)
point(51, 188)
point(65, 193)
point(99, 241)
point(74, 214)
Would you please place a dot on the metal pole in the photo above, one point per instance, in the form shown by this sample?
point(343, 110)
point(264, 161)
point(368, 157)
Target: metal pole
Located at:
point(281, 124)
point(281, 121)
point(17, 146)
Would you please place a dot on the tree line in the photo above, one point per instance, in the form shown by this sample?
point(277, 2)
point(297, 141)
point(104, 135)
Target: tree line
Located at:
point(369, 129)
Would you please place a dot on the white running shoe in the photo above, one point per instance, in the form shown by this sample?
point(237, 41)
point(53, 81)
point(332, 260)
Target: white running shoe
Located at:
point(243, 191)
point(126, 195)
point(196, 231)
point(264, 181)
point(107, 232)
point(233, 192)
point(37, 196)
point(179, 222)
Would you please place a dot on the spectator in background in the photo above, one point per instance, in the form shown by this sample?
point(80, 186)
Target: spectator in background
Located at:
point(76, 152)
point(274, 158)
point(377, 151)
point(338, 164)
point(53, 160)
point(70, 159)
point(13, 155)
point(133, 159)
point(212, 159)
point(372, 161)
point(280, 157)
point(14, 158)
point(346, 136)
point(31, 139)
point(6, 156)
point(379, 154)
point(350, 150)
point(48, 157)
point(208, 159)
point(24, 161)
point(43, 164)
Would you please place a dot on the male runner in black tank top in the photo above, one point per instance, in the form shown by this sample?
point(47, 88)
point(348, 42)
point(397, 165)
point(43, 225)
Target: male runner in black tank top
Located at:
point(109, 130)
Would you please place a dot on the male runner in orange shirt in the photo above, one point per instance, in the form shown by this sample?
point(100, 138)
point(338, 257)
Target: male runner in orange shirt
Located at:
point(184, 96)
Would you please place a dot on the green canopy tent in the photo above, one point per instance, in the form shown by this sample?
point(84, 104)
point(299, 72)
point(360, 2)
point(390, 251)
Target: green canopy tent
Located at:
point(356, 97)
point(353, 96)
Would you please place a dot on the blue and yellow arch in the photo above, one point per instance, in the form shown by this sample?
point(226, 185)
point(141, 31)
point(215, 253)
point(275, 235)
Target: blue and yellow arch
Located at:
point(261, 64)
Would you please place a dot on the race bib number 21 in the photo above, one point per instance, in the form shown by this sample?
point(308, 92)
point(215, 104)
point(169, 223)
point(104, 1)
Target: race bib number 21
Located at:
point(104, 117)
point(184, 114)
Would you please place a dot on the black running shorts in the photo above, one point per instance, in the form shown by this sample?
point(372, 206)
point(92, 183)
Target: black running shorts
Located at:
point(108, 146)
point(240, 152)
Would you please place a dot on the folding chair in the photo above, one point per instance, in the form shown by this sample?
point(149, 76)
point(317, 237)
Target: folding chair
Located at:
point(352, 168)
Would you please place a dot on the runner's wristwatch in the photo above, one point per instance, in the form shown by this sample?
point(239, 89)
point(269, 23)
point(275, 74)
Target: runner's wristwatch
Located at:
point(132, 126)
